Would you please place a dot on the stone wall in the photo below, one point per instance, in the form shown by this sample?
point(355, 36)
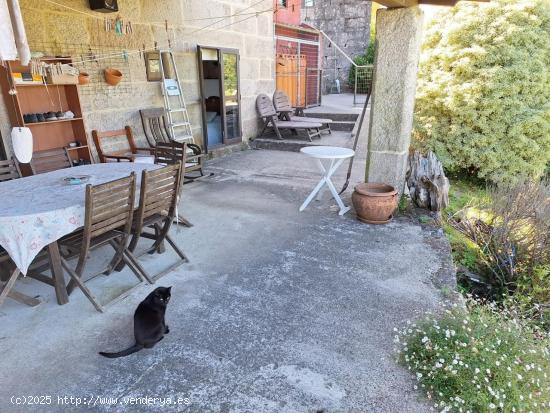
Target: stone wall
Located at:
point(65, 31)
point(347, 23)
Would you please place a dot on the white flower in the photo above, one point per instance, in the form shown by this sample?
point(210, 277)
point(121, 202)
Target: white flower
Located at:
point(425, 339)
point(492, 406)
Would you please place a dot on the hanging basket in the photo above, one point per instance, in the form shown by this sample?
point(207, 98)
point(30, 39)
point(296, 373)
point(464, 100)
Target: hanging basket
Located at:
point(83, 78)
point(113, 76)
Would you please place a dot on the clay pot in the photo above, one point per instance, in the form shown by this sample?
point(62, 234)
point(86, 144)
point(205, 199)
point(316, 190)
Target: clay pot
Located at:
point(83, 78)
point(374, 202)
point(113, 76)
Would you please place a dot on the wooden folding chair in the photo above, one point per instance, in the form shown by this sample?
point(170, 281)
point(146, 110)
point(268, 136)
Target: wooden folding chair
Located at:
point(157, 208)
point(9, 170)
point(269, 117)
point(155, 127)
point(108, 220)
point(50, 160)
point(282, 105)
point(132, 153)
point(173, 153)
point(7, 286)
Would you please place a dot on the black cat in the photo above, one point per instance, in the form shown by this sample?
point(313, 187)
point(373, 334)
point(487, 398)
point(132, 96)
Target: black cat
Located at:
point(149, 324)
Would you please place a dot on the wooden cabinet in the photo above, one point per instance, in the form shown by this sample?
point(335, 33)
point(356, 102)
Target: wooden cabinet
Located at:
point(34, 98)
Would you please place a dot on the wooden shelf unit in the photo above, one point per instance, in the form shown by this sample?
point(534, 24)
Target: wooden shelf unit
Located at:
point(40, 98)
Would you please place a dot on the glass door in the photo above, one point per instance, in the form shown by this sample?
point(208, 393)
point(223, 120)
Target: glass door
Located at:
point(231, 98)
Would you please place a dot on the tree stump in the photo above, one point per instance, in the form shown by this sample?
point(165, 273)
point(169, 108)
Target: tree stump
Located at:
point(428, 185)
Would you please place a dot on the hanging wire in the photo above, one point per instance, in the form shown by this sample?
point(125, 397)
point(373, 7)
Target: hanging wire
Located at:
point(221, 20)
point(160, 24)
point(144, 50)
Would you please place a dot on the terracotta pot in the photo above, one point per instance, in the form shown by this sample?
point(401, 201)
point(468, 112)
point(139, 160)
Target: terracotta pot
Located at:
point(113, 76)
point(374, 202)
point(83, 78)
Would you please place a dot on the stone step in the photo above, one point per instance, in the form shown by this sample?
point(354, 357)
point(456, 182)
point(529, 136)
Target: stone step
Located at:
point(287, 145)
point(342, 125)
point(295, 143)
point(338, 117)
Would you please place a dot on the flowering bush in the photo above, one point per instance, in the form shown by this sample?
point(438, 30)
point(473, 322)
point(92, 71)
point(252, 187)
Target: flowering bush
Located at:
point(483, 96)
point(481, 360)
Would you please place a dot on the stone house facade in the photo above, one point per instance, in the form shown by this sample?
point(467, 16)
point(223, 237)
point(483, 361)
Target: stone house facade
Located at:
point(71, 28)
point(347, 23)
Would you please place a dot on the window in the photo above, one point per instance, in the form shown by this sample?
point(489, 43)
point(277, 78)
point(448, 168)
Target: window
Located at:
point(308, 3)
point(282, 3)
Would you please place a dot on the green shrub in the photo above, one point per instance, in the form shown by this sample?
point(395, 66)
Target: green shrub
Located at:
point(511, 232)
point(481, 360)
point(483, 96)
point(533, 295)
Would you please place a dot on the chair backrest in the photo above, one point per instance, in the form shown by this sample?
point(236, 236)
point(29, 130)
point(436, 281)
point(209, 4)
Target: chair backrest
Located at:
point(155, 125)
point(50, 160)
point(169, 153)
point(9, 170)
point(281, 101)
point(109, 206)
point(101, 137)
point(265, 106)
point(159, 193)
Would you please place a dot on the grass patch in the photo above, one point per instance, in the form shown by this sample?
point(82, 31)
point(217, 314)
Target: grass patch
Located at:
point(484, 359)
point(464, 193)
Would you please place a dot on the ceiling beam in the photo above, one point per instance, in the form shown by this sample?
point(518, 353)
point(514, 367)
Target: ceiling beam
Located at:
point(397, 3)
point(410, 3)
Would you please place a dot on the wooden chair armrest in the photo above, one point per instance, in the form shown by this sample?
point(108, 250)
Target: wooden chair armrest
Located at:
point(195, 148)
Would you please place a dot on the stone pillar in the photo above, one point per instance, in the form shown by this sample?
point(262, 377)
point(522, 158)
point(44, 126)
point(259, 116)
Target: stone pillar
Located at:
point(398, 39)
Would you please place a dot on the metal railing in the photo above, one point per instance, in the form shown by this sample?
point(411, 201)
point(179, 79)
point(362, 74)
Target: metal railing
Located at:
point(359, 78)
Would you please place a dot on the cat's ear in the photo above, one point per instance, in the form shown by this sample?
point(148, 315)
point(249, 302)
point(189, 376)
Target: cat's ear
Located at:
point(170, 289)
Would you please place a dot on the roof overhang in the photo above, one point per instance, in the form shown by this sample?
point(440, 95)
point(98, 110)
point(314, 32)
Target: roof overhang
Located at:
point(302, 28)
point(410, 3)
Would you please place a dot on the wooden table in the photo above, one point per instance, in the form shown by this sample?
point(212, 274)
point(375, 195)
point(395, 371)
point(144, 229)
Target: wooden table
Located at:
point(38, 210)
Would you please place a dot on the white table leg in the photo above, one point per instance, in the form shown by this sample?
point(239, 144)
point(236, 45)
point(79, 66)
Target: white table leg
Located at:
point(313, 193)
point(343, 208)
point(328, 172)
point(323, 171)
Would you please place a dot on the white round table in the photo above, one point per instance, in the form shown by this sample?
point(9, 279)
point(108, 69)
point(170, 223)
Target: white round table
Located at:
point(334, 156)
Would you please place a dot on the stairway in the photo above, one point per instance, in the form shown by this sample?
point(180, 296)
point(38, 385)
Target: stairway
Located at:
point(342, 125)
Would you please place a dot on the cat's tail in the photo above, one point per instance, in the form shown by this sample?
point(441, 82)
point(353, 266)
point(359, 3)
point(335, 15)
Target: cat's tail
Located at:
point(136, 347)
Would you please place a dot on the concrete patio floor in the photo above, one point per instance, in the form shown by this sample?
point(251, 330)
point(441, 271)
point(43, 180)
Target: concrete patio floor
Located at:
point(278, 311)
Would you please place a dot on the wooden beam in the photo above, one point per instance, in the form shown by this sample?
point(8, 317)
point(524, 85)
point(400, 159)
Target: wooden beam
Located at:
point(410, 3)
point(397, 3)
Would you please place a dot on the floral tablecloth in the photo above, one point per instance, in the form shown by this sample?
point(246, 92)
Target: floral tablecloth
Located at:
point(38, 210)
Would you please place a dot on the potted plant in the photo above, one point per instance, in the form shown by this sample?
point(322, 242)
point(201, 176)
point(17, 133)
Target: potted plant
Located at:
point(374, 203)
